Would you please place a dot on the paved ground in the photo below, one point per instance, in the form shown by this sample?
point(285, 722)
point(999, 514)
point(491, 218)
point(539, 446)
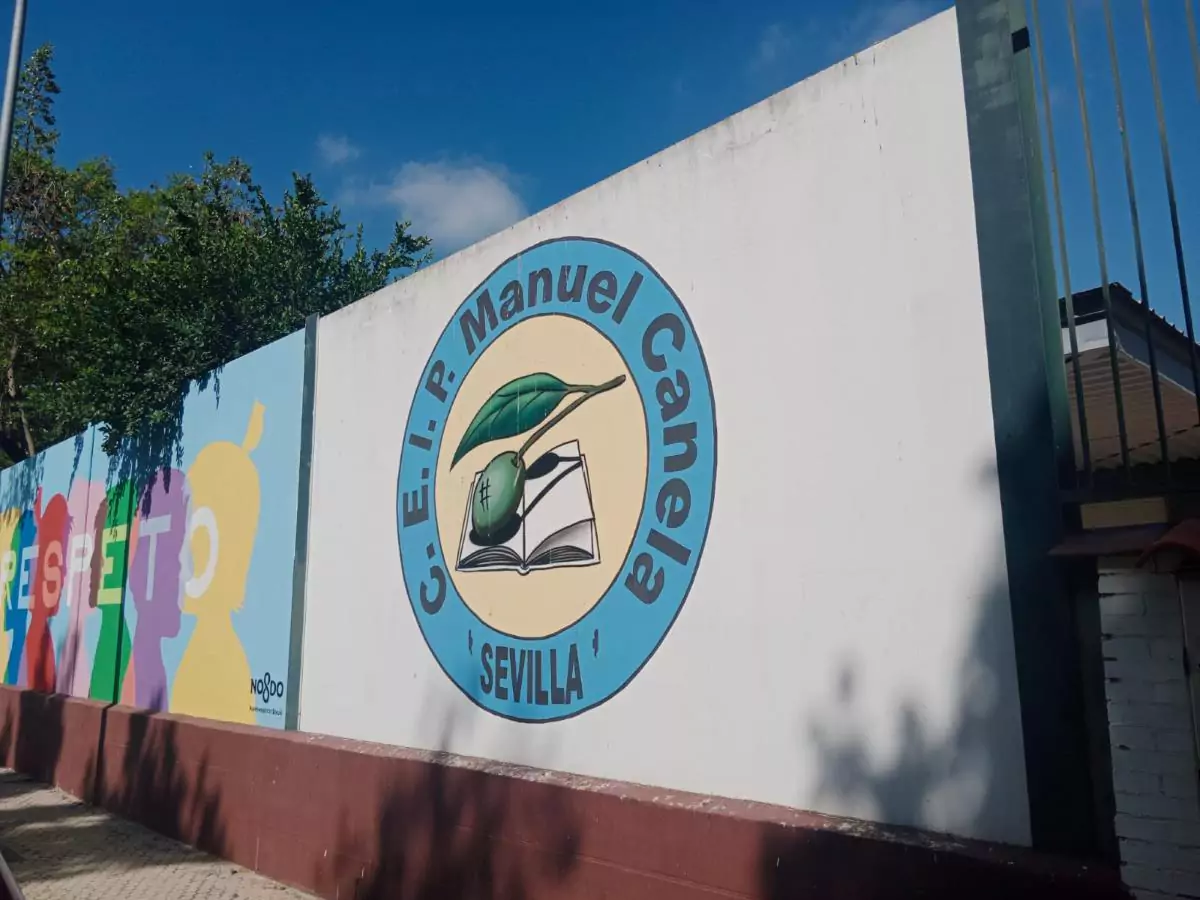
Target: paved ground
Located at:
point(60, 849)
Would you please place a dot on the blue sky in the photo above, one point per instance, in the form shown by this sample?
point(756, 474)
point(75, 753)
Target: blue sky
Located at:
point(465, 117)
point(1181, 98)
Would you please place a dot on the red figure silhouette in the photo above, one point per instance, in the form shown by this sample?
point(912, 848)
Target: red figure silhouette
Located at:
point(48, 578)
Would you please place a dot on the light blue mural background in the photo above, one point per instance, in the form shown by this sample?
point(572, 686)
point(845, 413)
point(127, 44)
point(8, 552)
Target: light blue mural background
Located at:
point(273, 376)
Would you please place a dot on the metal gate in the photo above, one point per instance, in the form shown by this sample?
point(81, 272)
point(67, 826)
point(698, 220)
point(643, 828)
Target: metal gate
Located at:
point(1118, 88)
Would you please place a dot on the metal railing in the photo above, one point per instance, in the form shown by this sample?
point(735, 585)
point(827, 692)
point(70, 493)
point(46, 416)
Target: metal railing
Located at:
point(1135, 382)
point(9, 889)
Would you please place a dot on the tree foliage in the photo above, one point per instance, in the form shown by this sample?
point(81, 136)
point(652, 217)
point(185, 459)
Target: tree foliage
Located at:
point(112, 301)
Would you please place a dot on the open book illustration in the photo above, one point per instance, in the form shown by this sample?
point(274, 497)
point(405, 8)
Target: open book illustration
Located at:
point(555, 524)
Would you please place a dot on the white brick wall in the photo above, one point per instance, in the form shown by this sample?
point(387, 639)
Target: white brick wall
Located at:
point(1149, 724)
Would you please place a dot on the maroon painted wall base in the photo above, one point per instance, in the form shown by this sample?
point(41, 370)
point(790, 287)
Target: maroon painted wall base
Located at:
point(348, 819)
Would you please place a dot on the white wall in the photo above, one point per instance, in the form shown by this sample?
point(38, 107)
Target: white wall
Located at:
point(846, 646)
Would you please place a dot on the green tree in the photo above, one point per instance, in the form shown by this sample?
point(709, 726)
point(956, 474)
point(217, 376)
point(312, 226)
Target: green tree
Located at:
point(112, 301)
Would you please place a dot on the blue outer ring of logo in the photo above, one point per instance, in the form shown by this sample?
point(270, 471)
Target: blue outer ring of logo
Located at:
point(629, 630)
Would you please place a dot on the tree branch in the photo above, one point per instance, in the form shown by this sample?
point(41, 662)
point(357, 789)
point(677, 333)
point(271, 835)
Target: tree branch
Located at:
point(30, 449)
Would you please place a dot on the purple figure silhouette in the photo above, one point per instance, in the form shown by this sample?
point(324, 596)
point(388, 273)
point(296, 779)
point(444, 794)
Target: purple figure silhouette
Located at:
point(156, 582)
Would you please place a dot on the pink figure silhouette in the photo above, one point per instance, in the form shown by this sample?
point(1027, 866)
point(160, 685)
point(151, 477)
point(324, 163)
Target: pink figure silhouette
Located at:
point(86, 507)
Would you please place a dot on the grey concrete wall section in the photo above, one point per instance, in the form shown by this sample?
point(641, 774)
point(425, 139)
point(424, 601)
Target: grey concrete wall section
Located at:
point(1011, 244)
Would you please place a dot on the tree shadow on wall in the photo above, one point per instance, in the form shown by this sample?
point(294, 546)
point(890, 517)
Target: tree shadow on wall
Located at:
point(958, 773)
point(926, 769)
point(152, 454)
point(455, 830)
point(159, 788)
point(21, 483)
point(139, 459)
point(32, 734)
point(930, 761)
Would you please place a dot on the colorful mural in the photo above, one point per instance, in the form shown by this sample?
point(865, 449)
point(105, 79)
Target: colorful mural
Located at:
point(167, 587)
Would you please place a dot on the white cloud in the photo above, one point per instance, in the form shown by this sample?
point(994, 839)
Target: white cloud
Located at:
point(879, 19)
point(455, 204)
point(774, 43)
point(827, 39)
point(336, 149)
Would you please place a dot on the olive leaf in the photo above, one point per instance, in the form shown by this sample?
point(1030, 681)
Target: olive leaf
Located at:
point(512, 410)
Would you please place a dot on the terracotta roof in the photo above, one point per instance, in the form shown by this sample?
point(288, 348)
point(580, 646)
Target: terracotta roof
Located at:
point(1129, 326)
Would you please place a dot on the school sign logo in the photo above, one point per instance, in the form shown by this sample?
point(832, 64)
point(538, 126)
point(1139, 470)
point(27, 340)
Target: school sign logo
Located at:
point(556, 481)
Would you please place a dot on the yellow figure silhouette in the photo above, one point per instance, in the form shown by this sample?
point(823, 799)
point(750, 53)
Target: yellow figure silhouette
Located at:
point(213, 678)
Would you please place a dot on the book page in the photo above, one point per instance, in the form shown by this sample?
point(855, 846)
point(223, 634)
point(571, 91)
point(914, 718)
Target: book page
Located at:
point(557, 499)
point(574, 545)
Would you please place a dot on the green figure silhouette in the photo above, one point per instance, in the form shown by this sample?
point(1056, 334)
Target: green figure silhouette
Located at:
point(113, 647)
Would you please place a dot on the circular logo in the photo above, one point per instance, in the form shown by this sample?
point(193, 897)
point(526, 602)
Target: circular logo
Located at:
point(556, 480)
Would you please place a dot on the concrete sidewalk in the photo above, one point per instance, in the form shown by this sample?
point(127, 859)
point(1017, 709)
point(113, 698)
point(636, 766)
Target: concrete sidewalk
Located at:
point(60, 849)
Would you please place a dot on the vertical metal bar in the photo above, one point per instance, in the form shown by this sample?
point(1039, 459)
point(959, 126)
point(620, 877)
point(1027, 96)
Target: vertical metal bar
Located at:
point(11, 890)
point(1195, 41)
point(1062, 244)
point(10, 92)
point(1137, 238)
point(1113, 358)
point(1172, 205)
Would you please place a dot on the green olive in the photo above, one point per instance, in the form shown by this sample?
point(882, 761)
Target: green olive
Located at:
point(498, 493)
